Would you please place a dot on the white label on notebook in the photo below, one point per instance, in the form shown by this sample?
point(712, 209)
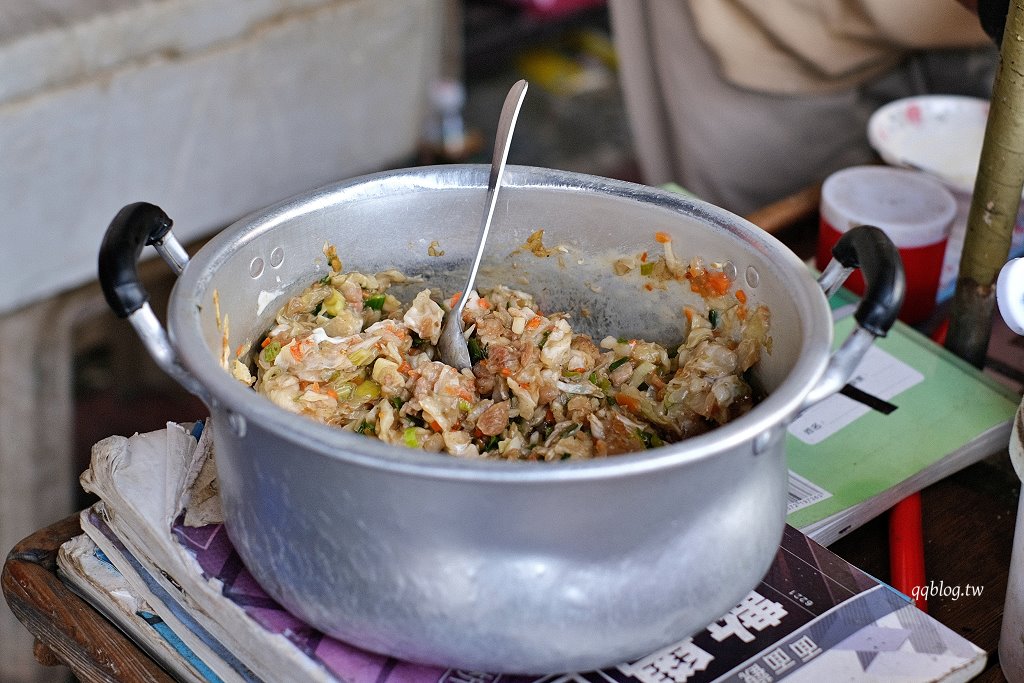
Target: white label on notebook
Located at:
point(803, 492)
point(880, 374)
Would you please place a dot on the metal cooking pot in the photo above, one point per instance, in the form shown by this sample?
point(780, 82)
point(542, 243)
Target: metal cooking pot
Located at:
point(498, 566)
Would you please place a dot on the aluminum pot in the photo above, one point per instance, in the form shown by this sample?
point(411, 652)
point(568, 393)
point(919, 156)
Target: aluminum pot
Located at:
point(498, 566)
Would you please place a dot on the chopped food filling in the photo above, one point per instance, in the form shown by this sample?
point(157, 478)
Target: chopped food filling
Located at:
point(346, 352)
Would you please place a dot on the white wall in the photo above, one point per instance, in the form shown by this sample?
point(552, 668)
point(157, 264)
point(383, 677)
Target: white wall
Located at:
point(231, 106)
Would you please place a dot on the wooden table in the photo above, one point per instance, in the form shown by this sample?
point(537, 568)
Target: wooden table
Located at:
point(67, 629)
point(968, 525)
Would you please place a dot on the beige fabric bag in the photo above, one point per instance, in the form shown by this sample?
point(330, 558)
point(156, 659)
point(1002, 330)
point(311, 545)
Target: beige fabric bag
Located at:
point(807, 46)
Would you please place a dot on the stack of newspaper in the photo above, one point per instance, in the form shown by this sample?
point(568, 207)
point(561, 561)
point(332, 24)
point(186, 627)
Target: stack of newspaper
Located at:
point(155, 559)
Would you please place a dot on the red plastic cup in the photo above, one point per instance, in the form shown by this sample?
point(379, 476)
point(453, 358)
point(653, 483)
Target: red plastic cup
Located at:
point(913, 209)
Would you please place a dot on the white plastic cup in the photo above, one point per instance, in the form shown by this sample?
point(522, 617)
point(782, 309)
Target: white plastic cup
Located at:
point(913, 209)
point(1011, 634)
point(1010, 296)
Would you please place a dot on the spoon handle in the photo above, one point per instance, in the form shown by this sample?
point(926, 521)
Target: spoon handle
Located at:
point(503, 138)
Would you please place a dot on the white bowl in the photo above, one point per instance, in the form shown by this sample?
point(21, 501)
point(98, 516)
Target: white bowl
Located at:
point(939, 134)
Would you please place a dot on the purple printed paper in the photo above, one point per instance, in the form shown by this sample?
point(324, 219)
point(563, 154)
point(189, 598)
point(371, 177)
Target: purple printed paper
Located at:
point(217, 557)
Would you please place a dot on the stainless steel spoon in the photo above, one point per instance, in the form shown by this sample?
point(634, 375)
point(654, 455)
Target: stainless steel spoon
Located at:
point(452, 345)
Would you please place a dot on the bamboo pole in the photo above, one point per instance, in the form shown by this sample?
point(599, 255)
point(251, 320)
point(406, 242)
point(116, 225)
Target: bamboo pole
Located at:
point(997, 196)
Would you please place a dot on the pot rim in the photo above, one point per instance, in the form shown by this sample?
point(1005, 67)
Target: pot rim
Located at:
point(233, 399)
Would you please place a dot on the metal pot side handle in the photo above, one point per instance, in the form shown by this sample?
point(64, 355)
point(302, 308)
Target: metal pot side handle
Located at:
point(868, 248)
point(133, 228)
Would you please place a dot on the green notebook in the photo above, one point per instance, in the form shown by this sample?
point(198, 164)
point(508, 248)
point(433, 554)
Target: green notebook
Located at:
point(849, 463)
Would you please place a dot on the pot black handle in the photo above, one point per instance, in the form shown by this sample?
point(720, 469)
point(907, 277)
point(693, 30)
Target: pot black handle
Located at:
point(870, 249)
point(134, 227)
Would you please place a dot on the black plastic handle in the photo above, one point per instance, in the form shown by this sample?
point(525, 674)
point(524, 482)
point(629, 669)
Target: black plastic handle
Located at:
point(134, 227)
point(885, 284)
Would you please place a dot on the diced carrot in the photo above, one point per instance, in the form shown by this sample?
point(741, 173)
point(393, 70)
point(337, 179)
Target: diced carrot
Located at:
point(240, 350)
point(505, 372)
point(265, 343)
point(296, 351)
point(628, 402)
point(549, 415)
point(316, 387)
point(404, 368)
point(332, 393)
point(741, 296)
point(435, 425)
point(662, 237)
point(643, 257)
point(454, 300)
point(484, 303)
point(688, 312)
point(741, 312)
point(465, 395)
point(718, 282)
point(534, 322)
point(649, 287)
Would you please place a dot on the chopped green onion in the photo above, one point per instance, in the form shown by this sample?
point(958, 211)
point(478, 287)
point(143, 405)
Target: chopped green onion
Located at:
point(650, 440)
point(544, 338)
point(419, 343)
point(376, 302)
point(271, 351)
point(592, 378)
point(396, 402)
point(367, 391)
point(464, 405)
point(411, 438)
point(491, 443)
point(617, 362)
point(365, 428)
point(325, 280)
point(713, 318)
point(361, 357)
point(646, 268)
point(477, 352)
point(333, 304)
